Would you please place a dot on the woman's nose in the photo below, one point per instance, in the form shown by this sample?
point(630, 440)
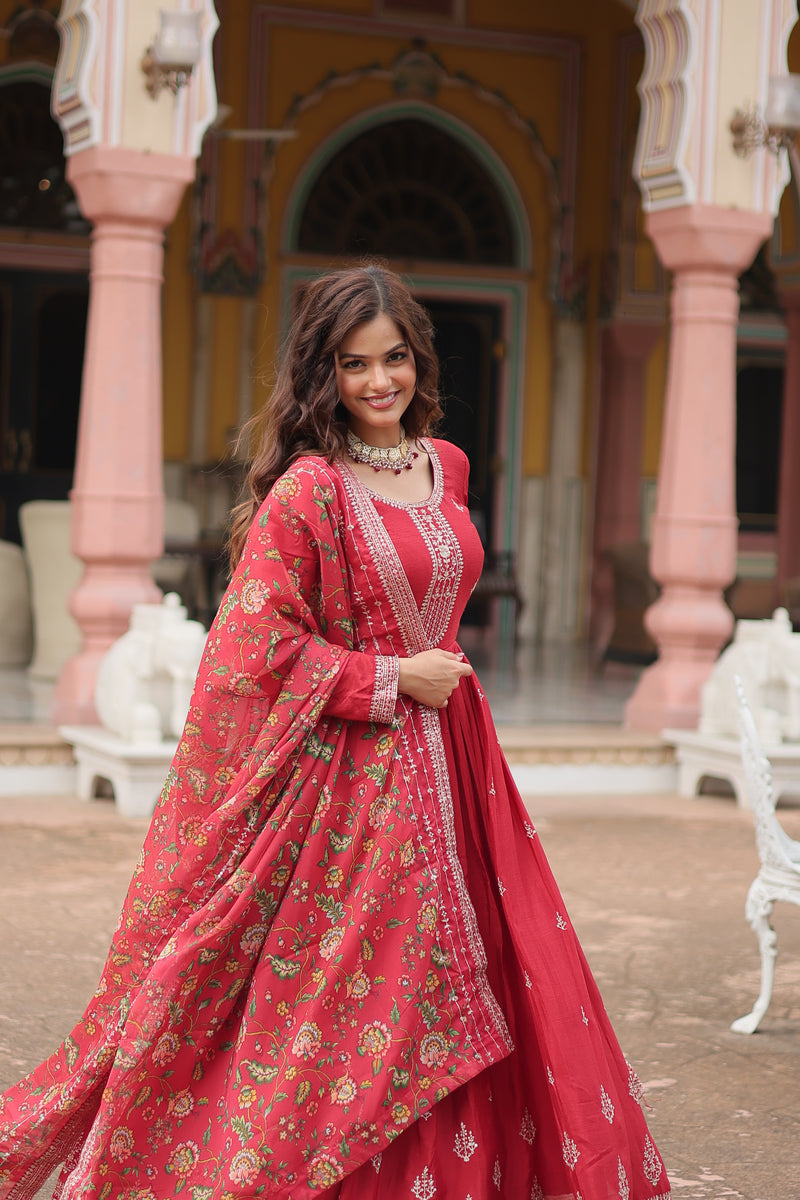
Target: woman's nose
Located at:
point(379, 379)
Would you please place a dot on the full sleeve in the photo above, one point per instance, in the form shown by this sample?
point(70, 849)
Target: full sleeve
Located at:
point(366, 688)
point(293, 581)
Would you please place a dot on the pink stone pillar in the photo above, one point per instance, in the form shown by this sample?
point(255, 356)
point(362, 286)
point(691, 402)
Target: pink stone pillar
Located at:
point(117, 500)
point(695, 526)
point(789, 485)
point(626, 348)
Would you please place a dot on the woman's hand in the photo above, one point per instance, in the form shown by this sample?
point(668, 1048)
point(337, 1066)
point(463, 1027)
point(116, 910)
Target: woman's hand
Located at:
point(430, 677)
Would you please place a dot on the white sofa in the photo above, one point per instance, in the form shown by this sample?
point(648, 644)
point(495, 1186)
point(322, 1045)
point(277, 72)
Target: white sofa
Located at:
point(54, 573)
point(16, 625)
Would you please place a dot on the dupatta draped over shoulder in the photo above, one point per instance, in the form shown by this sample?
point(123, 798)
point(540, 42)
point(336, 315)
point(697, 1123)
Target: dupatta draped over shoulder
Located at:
point(299, 978)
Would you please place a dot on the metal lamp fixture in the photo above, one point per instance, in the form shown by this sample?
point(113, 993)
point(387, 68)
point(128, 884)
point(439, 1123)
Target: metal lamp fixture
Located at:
point(778, 126)
point(175, 51)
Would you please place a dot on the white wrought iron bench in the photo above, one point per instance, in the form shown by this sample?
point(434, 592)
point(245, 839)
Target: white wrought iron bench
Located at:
point(779, 876)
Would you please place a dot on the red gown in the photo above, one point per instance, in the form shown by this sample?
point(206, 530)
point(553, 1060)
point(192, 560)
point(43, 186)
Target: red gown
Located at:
point(343, 969)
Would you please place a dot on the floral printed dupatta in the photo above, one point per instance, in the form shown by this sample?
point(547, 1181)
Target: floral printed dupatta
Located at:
point(239, 1003)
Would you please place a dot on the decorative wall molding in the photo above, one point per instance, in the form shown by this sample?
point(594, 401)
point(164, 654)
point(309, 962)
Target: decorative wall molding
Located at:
point(666, 93)
point(75, 101)
point(420, 75)
point(414, 109)
point(32, 745)
point(45, 256)
point(196, 107)
point(410, 68)
point(29, 72)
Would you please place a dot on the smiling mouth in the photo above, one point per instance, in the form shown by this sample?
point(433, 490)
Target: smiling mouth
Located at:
point(385, 401)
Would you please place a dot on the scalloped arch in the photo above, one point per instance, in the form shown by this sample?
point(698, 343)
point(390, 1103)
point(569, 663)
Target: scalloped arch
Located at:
point(499, 188)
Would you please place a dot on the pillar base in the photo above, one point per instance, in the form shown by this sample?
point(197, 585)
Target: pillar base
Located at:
point(102, 603)
point(73, 698)
point(668, 696)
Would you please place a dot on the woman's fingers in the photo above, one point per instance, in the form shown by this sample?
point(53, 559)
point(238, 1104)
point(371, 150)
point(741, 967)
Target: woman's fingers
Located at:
point(432, 675)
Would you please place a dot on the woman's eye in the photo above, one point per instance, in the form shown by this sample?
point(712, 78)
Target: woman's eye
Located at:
point(351, 363)
point(397, 356)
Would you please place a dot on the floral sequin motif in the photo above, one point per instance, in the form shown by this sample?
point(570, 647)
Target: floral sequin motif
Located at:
point(624, 1186)
point(423, 1187)
point(606, 1105)
point(465, 1144)
point(570, 1151)
point(651, 1164)
point(528, 1129)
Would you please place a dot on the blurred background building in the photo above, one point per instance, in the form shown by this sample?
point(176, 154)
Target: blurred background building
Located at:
point(498, 154)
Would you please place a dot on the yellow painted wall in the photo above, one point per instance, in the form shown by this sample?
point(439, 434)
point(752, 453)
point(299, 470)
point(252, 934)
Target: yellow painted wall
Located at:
point(654, 407)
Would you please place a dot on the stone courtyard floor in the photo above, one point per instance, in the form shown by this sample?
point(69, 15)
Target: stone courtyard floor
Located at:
point(656, 887)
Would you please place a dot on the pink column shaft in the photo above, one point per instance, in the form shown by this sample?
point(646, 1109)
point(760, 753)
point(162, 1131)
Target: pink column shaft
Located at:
point(789, 486)
point(695, 526)
point(626, 348)
point(117, 499)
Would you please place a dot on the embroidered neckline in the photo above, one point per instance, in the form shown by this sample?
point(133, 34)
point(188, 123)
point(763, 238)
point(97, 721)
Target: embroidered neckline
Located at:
point(437, 491)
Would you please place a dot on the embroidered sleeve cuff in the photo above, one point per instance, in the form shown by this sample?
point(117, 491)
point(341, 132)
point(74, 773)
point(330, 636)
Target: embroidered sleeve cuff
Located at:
point(384, 696)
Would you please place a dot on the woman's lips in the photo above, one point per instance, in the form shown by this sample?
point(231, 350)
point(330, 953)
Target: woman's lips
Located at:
point(381, 401)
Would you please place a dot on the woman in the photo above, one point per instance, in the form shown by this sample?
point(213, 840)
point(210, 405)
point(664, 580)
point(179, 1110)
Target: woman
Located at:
point(343, 968)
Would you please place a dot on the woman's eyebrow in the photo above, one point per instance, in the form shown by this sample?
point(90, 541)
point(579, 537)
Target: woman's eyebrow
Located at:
point(355, 354)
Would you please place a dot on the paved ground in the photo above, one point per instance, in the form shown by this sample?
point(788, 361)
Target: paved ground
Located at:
point(656, 887)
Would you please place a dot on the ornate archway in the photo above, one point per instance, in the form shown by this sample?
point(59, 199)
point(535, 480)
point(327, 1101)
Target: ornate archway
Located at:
point(407, 189)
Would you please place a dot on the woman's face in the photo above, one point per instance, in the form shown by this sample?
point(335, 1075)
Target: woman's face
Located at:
point(376, 377)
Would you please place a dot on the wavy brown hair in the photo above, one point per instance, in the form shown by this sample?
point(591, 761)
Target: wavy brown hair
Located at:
point(303, 414)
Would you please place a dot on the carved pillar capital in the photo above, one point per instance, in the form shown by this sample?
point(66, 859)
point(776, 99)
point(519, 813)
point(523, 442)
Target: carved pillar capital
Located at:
point(115, 183)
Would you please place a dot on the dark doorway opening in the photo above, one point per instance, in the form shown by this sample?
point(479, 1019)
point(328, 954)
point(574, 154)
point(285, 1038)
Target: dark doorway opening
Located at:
point(759, 405)
point(42, 336)
point(468, 343)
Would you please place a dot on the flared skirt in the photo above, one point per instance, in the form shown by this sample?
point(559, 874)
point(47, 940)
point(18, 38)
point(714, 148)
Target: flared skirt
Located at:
point(560, 1118)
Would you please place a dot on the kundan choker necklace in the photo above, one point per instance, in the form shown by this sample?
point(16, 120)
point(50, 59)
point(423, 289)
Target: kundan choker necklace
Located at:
point(382, 458)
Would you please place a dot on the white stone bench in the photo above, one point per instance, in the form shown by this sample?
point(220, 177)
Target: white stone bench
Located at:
point(135, 770)
point(779, 876)
point(705, 756)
